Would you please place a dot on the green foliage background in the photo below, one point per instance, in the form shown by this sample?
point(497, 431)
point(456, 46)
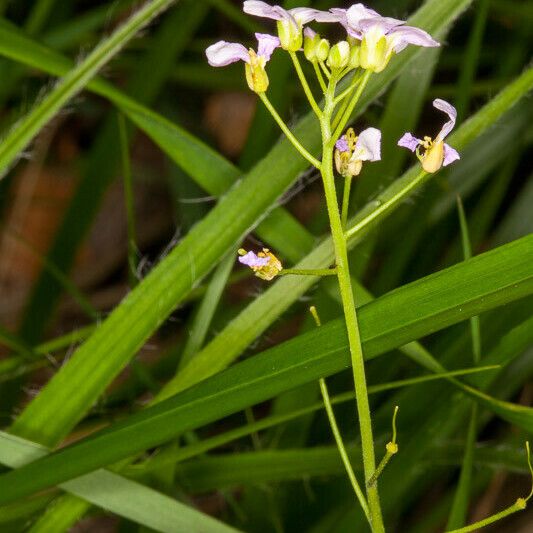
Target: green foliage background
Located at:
point(220, 427)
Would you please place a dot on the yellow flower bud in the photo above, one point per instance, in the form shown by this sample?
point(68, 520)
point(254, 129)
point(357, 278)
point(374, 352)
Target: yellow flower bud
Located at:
point(290, 35)
point(339, 55)
point(256, 75)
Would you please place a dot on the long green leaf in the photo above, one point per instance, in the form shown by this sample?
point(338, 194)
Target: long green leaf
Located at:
point(423, 307)
point(24, 131)
point(117, 494)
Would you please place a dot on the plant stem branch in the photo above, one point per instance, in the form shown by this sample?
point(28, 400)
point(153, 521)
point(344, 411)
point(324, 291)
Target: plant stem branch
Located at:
point(320, 78)
point(346, 200)
point(342, 449)
point(315, 162)
point(346, 291)
point(345, 117)
point(305, 85)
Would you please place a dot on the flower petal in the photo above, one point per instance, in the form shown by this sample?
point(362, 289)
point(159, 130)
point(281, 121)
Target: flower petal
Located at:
point(450, 155)
point(342, 145)
point(303, 15)
point(262, 9)
point(252, 260)
point(447, 108)
point(409, 141)
point(223, 53)
point(402, 36)
point(369, 145)
point(358, 12)
point(267, 44)
point(309, 33)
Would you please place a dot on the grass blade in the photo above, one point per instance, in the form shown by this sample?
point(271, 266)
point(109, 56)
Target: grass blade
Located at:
point(391, 321)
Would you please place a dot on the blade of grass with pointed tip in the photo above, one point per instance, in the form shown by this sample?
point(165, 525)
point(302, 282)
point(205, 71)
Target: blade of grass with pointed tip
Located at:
point(464, 290)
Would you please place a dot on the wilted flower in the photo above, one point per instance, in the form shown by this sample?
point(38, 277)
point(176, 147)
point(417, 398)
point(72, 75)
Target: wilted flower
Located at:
point(290, 22)
point(352, 150)
point(223, 53)
point(380, 36)
point(265, 264)
point(436, 152)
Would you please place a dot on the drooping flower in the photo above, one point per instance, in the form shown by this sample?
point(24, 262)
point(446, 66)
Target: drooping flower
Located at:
point(351, 151)
point(290, 22)
point(223, 53)
point(380, 37)
point(436, 152)
point(264, 264)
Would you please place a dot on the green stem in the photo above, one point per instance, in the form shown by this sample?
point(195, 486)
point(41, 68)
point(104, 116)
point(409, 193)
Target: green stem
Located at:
point(339, 114)
point(325, 70)
point(315, 162)
point(320, 78)
point(308, 272)
point(346, 200)
point(519, 505)
point(342, 448)
point(385, 206)
point(305, 85)
point(348, 303)
point(353, 102)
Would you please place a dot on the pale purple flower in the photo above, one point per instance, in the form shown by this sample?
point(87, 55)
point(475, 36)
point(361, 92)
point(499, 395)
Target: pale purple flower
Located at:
point(449, 154)
point(371, 28)
point(223, 53)
point(253, 260)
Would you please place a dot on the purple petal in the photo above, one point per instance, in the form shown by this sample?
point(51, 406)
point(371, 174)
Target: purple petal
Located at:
point(223, 53)
point(262, 9)
point(358, 12)
point(342, 145)
point(450, 155)
point(409, 141)
point(252, 260)
point(309, 33)
point(303, 15)
point(267, 44)
point(447, 108)
point(385, 24)
point(404, 35)
point(369, 142)
point(340, 17)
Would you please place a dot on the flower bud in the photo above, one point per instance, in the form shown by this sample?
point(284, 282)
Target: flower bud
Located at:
point(256, 75)
point(355, 55)
point(290, 35)
point(322, 50)
point(339, 55)
point(374, 53)
point(311, 40)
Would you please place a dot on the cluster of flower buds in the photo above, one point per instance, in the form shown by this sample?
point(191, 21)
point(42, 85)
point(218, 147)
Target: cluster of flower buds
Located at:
point(316, 49)
point(264, 264)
